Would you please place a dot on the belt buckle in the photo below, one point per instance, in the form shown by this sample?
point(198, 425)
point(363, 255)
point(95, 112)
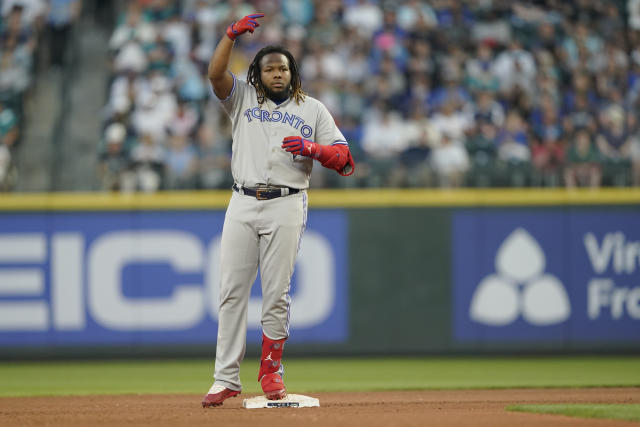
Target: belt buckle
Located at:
point(261, 194)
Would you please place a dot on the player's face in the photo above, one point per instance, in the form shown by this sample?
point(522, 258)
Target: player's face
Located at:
point(275, 75)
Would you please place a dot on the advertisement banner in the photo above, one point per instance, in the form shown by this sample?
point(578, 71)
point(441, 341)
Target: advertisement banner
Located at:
point(546, 275)
point(150, 278)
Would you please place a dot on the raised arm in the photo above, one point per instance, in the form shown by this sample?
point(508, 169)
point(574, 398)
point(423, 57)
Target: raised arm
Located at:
point(220, 79)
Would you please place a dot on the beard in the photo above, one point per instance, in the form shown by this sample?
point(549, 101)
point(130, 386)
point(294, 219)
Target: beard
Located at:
point(277, 95)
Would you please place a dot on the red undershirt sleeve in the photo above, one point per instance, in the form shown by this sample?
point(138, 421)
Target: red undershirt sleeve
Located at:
point(337, 157)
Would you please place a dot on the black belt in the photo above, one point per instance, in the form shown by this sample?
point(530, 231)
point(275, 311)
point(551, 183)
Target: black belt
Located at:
point(265, 193)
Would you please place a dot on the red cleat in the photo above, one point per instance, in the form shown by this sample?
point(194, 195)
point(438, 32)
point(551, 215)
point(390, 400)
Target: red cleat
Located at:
point(273, 386)
point(218, 394)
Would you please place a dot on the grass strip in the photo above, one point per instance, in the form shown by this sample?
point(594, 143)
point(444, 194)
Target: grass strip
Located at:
point(314, 375)
point(628, 412)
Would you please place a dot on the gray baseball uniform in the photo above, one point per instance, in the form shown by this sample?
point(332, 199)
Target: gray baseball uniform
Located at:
point(263, 233)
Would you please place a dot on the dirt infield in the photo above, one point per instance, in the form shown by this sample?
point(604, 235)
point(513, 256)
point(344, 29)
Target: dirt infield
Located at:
point(401, 408)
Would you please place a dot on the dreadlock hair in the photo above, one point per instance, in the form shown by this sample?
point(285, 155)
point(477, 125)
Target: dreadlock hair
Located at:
point(253, 75)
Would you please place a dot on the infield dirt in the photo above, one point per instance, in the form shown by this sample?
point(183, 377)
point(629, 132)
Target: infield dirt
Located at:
point(397, 408)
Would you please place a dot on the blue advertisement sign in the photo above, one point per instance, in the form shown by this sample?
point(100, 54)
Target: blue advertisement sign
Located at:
point(151, 278)
point(556, 275)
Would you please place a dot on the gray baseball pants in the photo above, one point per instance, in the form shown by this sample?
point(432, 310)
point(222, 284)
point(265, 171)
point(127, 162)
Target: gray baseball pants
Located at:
point(256, 233)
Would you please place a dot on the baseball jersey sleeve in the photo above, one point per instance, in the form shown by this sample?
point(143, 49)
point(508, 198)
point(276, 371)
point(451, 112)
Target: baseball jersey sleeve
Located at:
point(327, 132)
point(233, 102)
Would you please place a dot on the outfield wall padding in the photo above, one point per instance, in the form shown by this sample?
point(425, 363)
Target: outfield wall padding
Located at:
point(379, 272)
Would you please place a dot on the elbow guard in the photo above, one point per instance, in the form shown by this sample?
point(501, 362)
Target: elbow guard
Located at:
point(338, 158)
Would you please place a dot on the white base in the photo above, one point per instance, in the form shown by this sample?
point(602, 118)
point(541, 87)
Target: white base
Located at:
point(291, 401)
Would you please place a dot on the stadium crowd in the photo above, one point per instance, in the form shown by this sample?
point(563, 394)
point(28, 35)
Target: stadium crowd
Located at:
point(19, 28)
point(428, 93)
point(26, 26)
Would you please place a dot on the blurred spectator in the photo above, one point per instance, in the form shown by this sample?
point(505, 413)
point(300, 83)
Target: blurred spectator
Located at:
point(513, 150)
point(15, 70)
point(322, 63)
point(416, 13)
point(481, 147)
point(160, 53)
point(133, 26)
point(364, 16)
point(385, 137)
point(189, 83)
point(131, 57)
point(452, 91)
point(177, 34)
point(62, 15)
point(214, 160)
point(450, 121)
point(633, 9)
point(384, 134)
point(204, 22)
point(581, 86)
point(487, 109)
point(548, 160)
point(515, 67)
point(513, 141)
point(358, 67)
point(324, 29)
point(32, 11)
point(148, 159)
point(581, 45)
point(413, 168)
point(450, 161)
point(580, 115)
point(490, 27)
point(156, 109)
point(9, 133)
point(21, 24)
point(13, 28)
point(456, 18)
point(114, 163)
point(297, 12)
point(635, 160)
point(5, 167)
point(614, 142)
point(546, 37)
point(390, 43)
point(583, 167)
point(181, 163)
point(545, 120)
point(479, 70)
point(184, 121)
point(421, 60)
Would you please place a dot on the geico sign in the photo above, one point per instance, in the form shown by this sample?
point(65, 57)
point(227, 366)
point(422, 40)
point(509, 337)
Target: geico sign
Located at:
point(24, 306)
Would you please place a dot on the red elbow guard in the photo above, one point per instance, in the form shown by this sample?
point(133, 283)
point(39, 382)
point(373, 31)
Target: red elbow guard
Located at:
point(337, 157)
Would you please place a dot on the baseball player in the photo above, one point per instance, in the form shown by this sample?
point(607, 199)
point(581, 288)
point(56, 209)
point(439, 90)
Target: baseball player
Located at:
point(278, 131)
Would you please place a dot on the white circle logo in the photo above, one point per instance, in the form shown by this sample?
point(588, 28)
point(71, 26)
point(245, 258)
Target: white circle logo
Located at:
point(520, 286)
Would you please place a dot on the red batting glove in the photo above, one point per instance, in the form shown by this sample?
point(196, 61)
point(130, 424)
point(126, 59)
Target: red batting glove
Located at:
point(301, 147)
point(248, 23)
point(337, 157)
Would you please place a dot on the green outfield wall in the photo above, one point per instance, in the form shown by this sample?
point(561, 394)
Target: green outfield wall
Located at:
point(400, 278)
point(411, 272)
